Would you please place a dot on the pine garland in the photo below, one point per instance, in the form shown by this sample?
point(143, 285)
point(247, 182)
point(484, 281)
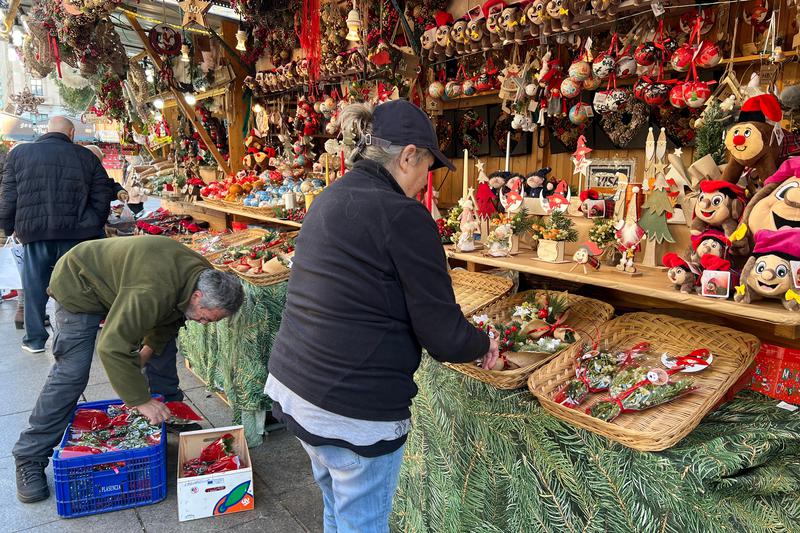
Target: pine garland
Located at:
point(479, 459)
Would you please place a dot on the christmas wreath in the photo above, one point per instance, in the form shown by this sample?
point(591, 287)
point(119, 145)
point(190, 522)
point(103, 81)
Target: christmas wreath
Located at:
point(623, 125)
point(444, 133)
point(566, 132)
point(473, 130)
point(500, 132)
point(676, 124)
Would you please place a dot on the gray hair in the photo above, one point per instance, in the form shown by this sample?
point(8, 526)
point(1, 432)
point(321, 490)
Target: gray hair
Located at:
point(356, 121)
point(221, 290)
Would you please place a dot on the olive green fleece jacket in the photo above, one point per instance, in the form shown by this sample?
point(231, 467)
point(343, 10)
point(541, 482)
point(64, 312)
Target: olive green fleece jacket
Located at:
point(142, 285)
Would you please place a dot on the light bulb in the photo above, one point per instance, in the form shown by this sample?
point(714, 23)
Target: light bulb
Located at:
point(353, 24)
point(158, 103)
point(257, 108)
point(185, 53)
point(190, 98)
point(241, 40)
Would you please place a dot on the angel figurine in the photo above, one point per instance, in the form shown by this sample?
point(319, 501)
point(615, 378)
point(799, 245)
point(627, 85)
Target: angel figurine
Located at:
point(468, 224)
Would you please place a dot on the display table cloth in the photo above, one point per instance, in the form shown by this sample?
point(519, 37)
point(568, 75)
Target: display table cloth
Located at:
point(479, 459)
point(231, 355)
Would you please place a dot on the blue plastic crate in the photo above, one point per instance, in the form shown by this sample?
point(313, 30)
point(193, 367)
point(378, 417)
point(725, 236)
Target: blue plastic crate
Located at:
point(109, 481)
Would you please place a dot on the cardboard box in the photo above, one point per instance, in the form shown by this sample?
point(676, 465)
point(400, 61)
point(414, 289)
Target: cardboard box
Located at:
point(214, 494)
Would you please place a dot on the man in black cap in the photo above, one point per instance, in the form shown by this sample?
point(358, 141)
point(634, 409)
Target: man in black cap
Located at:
point(369, 289)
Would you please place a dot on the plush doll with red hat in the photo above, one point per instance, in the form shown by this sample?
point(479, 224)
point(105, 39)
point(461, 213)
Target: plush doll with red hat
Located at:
point(478, 37)
point(428, 41)
point(444, 44)
point(492, 9)
point(775, 206)
point(710, 242)
point(768, 272)
point(720, 205)
point(458, 35)
point(751, 143)
point(682, 274)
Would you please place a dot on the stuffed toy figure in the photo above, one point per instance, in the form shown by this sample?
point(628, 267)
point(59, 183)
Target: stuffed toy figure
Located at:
point(458, 35)
point(497, 183)
point(509, 23)
point(776, 206)
point(428, 41)
point(479, 40)
point(536, 12)
point(720, 205)
point(768, 273)
point(492, 10)
point(710, 242)
point(683, 275)
point(536, 183)
point(751, 143)
point(444, 22)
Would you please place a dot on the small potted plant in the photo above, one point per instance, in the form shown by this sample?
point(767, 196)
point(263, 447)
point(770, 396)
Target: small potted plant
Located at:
point(519, 222)
point(603, 234)
point(551, 235)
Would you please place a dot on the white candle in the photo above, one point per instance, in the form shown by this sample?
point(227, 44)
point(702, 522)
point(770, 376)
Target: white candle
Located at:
point(508, 151)
point(465, 187)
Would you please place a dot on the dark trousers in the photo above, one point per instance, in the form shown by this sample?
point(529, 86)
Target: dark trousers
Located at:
point(38, 262)
point(73, 350)
point(162, 373)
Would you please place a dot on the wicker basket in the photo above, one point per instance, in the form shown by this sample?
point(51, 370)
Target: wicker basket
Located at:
point(212, 202)
point(263, 280)
point(585, 316)
point(474, 290)
point(663, 426)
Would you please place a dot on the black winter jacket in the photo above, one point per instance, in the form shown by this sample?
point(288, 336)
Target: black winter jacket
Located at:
point(369, 288)
point(54, 189)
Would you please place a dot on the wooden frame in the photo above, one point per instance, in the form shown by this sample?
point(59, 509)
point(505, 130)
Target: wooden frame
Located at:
point(601, 174)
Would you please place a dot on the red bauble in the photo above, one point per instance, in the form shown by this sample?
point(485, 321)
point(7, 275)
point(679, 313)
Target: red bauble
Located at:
point(681, 60)
point(676, 97)
point(710, 55)
point(656, 94)
point(638, 89)
point(696, 93)
point(646, 54)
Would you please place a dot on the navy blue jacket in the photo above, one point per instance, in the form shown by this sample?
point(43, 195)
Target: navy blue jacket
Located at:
point(369, 288)
point(54, 189)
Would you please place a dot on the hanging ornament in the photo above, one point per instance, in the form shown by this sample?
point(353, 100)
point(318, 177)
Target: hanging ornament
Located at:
point(570, 88)
point(676, 98)
point(646, 54)
point(353, 25)
point(710, 55)
point(165, 40)
point(682, 58)
point(656, 94)
point(579, 114)
point(688, 20)
point(592, 83)
point(26, 102)
point(696, 93)
point(603, 65)
point(580, 70)
point(626, 67)
point(639, 88)
point(617, 98)
point(241, 41)
point(194, 12)
point(436, 89)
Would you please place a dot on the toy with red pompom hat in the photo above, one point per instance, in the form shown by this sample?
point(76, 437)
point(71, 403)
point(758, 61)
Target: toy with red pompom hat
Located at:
point(772, 271)
point(720, 205)
point(683, 275)
point(710, 242)
point(492, 10)
point(753, 143)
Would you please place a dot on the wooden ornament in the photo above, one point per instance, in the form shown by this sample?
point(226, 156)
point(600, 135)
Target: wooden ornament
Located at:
point(194, 12)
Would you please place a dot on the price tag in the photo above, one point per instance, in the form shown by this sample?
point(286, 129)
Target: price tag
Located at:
point(589, 111)
point(778, 133)
point(600, 99)
point(789, 407)
point(658, 8)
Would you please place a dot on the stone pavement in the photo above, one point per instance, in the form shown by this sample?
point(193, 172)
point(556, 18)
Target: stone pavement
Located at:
point(287, 500)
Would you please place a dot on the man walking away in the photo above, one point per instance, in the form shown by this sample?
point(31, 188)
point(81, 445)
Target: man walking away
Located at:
point(54, 195)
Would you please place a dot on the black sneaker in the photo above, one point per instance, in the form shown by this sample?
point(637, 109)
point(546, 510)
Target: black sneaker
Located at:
point(31, 481)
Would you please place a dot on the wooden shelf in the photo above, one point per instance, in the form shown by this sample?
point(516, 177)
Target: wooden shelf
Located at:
point(758, 57)
point(248, 214)
point(653, 284)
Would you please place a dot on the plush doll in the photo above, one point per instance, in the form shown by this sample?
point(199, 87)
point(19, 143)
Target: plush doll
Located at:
point(444, 21)
point(479, 40)
point(536, 183)
point(428, 41)
point(491, 12)
point(509, 23)
point(536, 12)
point(776, 206)
point(720, 205)
point(683, 275)
point(768, 273)
point(710, 242)
point(497, 183)
point(458, 34)
point(556, 13)
point(751, 142)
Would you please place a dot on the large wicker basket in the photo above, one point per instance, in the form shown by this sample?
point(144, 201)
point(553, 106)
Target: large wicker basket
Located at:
point(237, 238)
point(263, 280)
point(475, 291)
point(585, 316)
point(663, 426)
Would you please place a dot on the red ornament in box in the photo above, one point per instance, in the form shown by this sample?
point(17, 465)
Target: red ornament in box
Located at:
point(646, 54)
point(676, 98)
point(710, 55)
point(696, 93)
point(656, 94)
point(681, 60)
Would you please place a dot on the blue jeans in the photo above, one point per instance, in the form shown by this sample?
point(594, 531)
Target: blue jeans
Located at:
point(38, 261)
point(357, 491)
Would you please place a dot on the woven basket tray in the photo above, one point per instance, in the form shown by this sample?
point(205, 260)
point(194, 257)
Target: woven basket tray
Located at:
point(660, 427)
point(263, 280)
point(474, 290)
point(585, 316)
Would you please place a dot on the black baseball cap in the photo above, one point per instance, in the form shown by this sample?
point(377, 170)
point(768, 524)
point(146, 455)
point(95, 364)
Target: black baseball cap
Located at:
point(400, 123)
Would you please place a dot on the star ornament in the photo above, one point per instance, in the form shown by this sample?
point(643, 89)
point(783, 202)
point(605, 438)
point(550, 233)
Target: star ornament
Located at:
point(194, 12)
point(582, 166)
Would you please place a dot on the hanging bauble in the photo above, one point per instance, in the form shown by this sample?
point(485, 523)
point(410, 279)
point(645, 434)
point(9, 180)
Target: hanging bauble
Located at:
point(710, 55)
point(580, 70)
point(436, 89)
point(570, 88)
point(592, 83)
point(603, 65)
point(669, 45)
point(601, 102)
point(646, 54)
point(452, 89)
point(579, 113)
point(639, 88)
point(656, 94)
point(165, 40)
point(618, 98)
point(681, 60)
point(468, 88)
point(626, 66)
point(530, 89)
point(689, 19)
point(696, 93)
point(676, 98)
